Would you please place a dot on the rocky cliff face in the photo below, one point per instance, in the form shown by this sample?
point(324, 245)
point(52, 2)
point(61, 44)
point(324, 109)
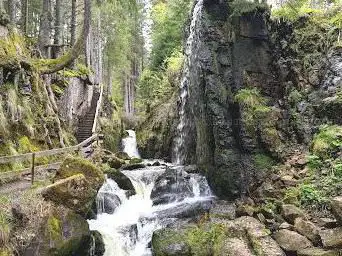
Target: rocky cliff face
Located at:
point(258, 90)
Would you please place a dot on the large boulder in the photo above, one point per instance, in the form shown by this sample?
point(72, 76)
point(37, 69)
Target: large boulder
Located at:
point(291, 241)
point(64, 233)
point(332, 238)
point(244, 236)
point(73, 166)
point(121, 179)
point(290, 212)
point(223, 209)
point(307, 229)
point(74, 192)
point(336, 207)
point(317, 252)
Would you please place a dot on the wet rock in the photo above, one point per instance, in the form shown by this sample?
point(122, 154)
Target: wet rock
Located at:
point(317, 252)
point(156, 164)
point(331, 238)
point(74, 166)
point(290, 212)
point(135, 161)
point(122, 155)
point(291, 241)
point(172, 186)
point(223, 209)
point(336, 208)
point(115, 162)
point(123, 181)
point(74, 192)
point(131, 167)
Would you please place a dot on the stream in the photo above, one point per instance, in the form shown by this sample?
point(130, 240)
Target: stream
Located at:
point(163, 195)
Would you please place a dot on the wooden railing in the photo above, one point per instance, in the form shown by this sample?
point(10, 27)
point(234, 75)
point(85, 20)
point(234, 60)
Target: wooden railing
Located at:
point(98, 107)
point(80, 148)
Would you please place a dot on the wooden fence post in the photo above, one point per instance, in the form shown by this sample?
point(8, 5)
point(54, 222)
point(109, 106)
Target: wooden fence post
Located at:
point(32, 168)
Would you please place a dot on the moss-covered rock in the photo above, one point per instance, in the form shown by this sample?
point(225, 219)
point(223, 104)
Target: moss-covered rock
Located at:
point(63, 233)
point(74, 192)
point(74, 166)
point(122, 180)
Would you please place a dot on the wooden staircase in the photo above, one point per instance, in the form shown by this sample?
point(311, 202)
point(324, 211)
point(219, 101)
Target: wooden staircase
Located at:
point(86, 124)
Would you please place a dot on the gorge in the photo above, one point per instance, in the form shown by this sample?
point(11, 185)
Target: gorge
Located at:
point(170, 128)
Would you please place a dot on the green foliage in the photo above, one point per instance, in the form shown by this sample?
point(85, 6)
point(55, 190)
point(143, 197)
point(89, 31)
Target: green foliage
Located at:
point(255, 107)
point(241, 7)
point(54, 228)
point(169, 19)
point(204, 239)
point(328, 141)
point(314, 162)
point(26, 146)
point(155, 87)
point(263, 162)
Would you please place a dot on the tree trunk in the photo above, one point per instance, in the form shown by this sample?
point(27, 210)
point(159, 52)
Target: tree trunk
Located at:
point(45, 29)
point(24, 16)
point(11, 10)
point(73, 22)
point(68, 58)
point(58, 29)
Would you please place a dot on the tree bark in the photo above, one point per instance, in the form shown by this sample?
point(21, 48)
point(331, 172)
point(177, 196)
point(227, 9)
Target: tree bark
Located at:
point(45, 29)
point(11, 10)
point(68, 58)
point(73, 22)
point(24, 16)
point(58, 28)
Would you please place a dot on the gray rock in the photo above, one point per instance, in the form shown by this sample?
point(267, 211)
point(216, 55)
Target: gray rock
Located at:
point(317, 252)
point(307, 229)
point(290, 212)
point(331, 238)
point(223, 209)
point(336, 207)
point(291, 241)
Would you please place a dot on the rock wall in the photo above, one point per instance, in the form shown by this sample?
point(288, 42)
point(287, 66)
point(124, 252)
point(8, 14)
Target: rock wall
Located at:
point(258, 91)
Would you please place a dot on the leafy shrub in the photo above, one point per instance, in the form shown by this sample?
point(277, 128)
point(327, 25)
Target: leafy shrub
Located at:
point(263, 162)
point(328, 141)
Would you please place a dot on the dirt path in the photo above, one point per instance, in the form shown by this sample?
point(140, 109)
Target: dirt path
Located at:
point(15, 186)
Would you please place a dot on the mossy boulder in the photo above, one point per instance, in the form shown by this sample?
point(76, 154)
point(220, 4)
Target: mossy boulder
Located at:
point(122, 155)
point(122, 180)
point(135, 161)
point(74, 166)
point(114, 162)
point(74, 192)
point(63, 233)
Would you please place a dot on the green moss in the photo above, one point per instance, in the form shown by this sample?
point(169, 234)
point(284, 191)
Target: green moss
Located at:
point(72, 166)
point(206, 240)
point(328, 141)
point(135, 161)
point(263, 162)
point(26, 146)
point(242, 7)
point(54, 228)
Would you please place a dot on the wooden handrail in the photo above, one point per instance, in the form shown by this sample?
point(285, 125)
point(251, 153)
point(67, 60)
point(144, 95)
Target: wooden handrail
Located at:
point(98, 107)
point(57, 151)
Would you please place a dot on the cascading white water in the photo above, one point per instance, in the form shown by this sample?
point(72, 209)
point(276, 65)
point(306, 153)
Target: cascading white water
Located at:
point(178, 151)
point(130, 144)
point(127, 223)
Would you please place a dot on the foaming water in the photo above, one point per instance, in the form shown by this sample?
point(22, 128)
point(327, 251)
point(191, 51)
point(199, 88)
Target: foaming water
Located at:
point(128, 230)
point(130, 144)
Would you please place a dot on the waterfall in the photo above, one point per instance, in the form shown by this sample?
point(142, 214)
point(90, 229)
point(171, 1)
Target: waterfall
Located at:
point(178, 150)
point(127, 223)
point(130, 144)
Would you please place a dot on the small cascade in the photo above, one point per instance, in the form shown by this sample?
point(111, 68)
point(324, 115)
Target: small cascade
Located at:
point(162, 195)
point(130, 144)
point(178, 150)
